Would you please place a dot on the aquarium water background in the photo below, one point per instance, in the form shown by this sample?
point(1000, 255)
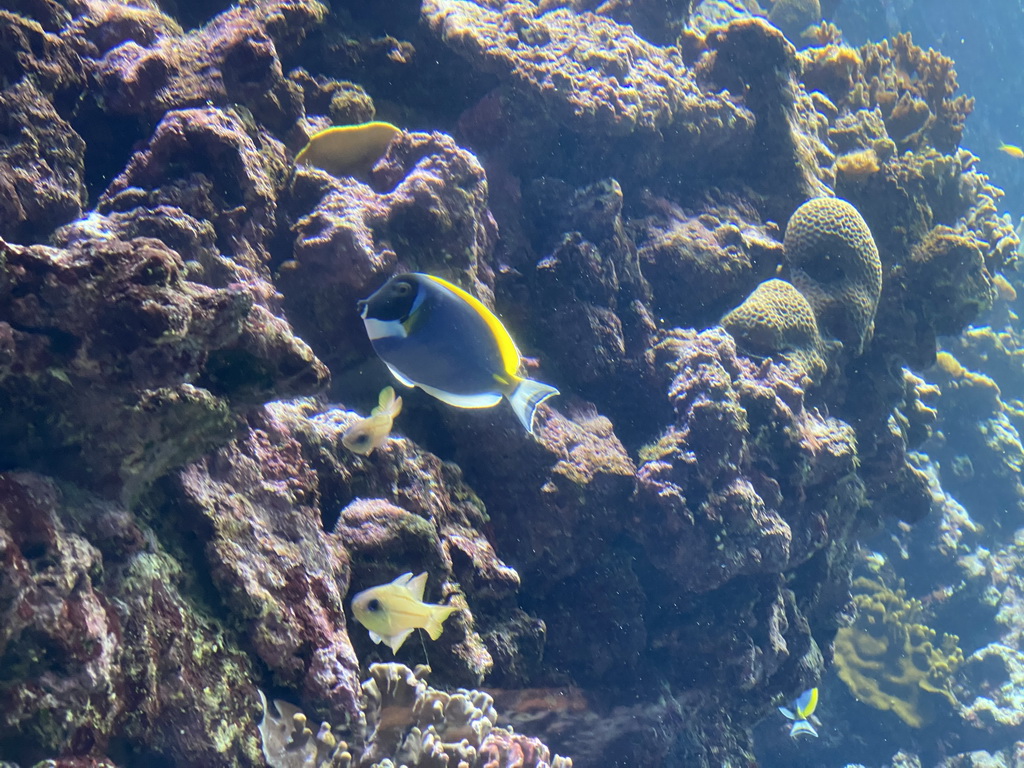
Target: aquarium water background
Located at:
point(766, 251)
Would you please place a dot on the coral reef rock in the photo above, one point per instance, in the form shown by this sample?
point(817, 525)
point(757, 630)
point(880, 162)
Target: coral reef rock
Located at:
point(404, 721)
point(117, 368)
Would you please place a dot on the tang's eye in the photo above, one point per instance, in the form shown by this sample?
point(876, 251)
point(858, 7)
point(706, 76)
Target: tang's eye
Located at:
point(361, 440)
point(373, 606)
point(403, 289)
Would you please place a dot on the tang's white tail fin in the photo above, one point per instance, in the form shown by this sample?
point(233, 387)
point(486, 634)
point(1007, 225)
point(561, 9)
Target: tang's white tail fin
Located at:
point(438, 614)
point(525, 398)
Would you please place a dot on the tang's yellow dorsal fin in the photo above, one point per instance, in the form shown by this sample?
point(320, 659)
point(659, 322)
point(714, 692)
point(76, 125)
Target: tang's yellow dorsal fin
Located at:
point(510, 357)
point(343, 150)
point(812, 703)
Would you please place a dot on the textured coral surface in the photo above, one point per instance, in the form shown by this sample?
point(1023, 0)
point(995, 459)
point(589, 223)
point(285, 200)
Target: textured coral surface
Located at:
point(733, 259)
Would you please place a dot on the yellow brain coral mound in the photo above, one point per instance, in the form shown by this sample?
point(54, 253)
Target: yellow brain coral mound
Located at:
point(777, 320)
point(793, 17)
point(834, 263)
point(346, 150)
point(890, 660)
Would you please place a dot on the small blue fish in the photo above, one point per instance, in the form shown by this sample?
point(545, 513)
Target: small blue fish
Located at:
point(801, 712)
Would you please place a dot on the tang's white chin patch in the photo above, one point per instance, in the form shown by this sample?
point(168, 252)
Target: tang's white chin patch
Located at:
point(383, 329)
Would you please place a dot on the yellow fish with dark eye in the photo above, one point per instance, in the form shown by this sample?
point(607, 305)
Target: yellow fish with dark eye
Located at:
point(392, 611)
point(1012, 150)
point(433, 335)
point(369, 434)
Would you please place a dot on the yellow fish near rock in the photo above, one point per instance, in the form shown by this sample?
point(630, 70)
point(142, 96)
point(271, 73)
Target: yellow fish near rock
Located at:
point(347, 150)
point(1012, 150)
point(369, 434)
point(392, 611)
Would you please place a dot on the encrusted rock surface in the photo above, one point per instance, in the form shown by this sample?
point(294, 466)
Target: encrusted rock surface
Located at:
point(104, 636)
point(115, 367)
point(672, 547)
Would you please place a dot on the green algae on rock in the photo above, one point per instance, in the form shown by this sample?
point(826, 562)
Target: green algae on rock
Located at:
point(108, 380)
point(104, 635)
point(598, 75)
point(613, 96)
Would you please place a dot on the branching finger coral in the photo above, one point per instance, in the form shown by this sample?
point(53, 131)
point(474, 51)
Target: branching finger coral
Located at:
point(915, 90)
point(404, 722)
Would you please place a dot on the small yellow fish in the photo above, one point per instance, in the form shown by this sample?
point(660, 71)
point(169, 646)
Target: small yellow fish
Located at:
point(392, 611)
point(348, 150)
point(1012, 150)
point(369, 434)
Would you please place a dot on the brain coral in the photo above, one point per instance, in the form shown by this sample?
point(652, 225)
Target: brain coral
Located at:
point(777, 319)
point(834, 262)
point(792, 17)
point(890, 660)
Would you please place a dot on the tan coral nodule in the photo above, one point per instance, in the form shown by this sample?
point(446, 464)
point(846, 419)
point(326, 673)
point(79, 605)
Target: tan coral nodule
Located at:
point(834, 262)
point(776, 319)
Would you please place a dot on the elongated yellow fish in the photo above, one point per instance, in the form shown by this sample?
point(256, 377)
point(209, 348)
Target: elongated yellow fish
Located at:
point(392, 611)
point(1012, 150)
point(369, 434)
point(347, 150)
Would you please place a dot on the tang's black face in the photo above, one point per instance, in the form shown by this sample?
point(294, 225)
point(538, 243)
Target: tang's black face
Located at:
point(392, 301)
